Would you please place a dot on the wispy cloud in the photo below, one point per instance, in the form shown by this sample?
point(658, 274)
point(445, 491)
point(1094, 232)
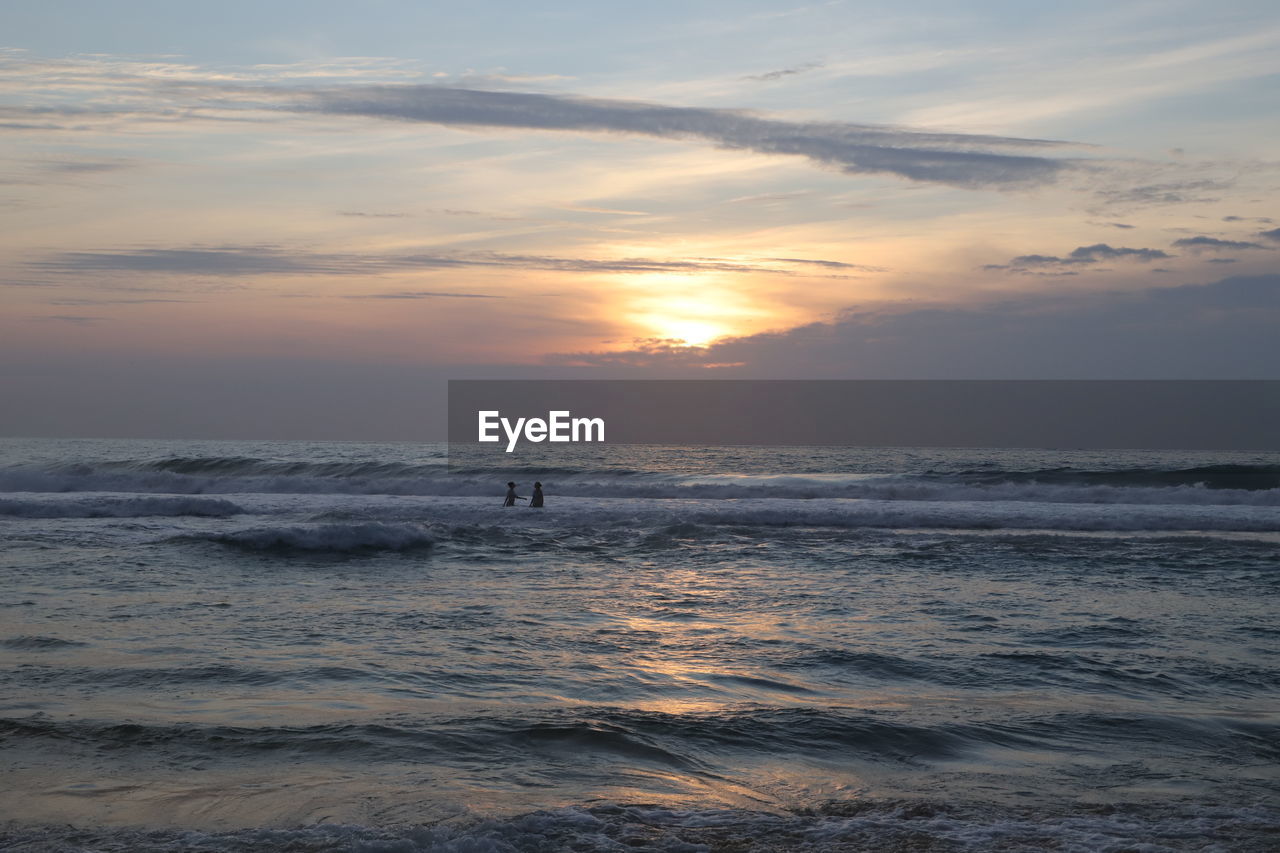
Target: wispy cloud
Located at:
point(956, 159)
point(108, 301)
point(74, 319)
point(220, 261)
point(770, 76)
point(233, 261)
point(84, 92)
point(1172, 192)
point(87, 166)
point(608, 211)
point(1213, 244)
point(368, 215)
point(1029, 86)
point(831, 264)
point(423, 294)
point(769, 198)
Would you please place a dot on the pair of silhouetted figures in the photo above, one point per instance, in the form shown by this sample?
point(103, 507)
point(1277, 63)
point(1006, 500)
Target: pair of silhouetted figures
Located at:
point(512, 497)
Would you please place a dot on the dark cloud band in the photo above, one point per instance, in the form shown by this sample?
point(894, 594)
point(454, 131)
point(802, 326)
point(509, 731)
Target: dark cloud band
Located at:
point(956, 159)
point(1213, 244)
point(1083, 255)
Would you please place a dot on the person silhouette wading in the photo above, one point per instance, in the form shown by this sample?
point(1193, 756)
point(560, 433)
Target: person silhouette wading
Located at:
point(537, 495)
point(512, 497)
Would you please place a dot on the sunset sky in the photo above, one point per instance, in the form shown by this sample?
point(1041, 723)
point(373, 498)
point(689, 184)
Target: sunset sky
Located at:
point(297, 219)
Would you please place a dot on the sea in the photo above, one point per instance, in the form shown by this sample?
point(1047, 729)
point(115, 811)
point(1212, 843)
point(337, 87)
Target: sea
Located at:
point(297, 646)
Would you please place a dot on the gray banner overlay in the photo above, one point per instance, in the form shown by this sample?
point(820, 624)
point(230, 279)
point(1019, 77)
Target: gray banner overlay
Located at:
point(1187, 415)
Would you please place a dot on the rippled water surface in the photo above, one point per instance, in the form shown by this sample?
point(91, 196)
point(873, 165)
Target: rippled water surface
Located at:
point(344, 646)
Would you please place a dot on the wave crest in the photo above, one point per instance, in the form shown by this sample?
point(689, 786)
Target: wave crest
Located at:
point(335, 538)
point(115, 507)
point(1221, 485)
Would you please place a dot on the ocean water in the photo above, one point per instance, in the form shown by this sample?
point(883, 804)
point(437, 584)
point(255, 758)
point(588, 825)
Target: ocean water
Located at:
point(344, 646)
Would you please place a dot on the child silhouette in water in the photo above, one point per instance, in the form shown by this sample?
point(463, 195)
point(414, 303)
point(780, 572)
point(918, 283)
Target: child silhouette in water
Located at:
point(537, 495)
point(512, 497)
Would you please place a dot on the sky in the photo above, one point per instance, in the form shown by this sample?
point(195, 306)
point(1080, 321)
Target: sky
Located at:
point(299, 219)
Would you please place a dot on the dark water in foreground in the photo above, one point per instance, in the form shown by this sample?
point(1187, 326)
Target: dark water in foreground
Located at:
point(264, 646)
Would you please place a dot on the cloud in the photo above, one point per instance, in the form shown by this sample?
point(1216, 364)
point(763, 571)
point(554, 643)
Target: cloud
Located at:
point(1035, 261)
point(830, 264)
point(27, 125)
point(1089, 254)
point(1082, 255)
point(500, 77)
point(768, 198)
point(42, 172)
point(1220, 330)
point(956, 159)
point(87, 167)
point(611, 211)
point(770, 76)
point(68, 302)
point(221, 261)
point(644, 352)
point(1212, 244)
point(362, 213)
point(74, 319)
point(84, 92)
point(235, 261)
point(1180, 192)
point(424, 294)
point(1273, 234)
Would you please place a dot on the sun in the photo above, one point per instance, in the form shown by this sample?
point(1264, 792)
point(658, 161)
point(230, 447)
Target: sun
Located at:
point(692, 321)
point(692, 332)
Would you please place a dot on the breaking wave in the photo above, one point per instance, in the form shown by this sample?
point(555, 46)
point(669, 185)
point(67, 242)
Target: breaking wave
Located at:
point(674, 520)
point(116, 507)
point(996, 516)
point(338, 538)
point(1221, 485)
